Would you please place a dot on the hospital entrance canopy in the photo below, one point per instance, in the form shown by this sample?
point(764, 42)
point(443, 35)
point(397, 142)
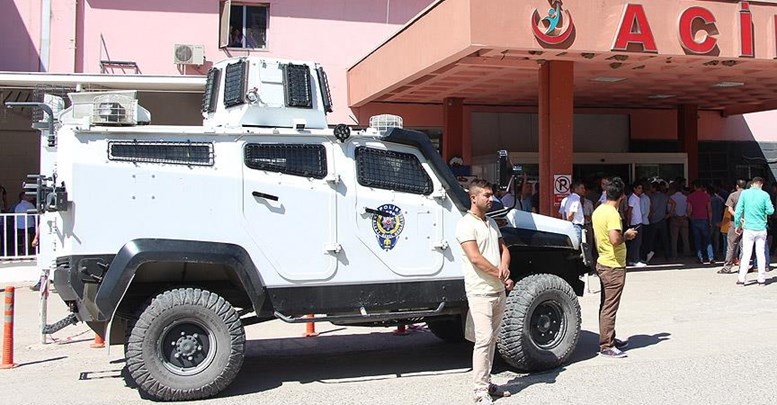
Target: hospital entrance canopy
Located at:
point(627, 54)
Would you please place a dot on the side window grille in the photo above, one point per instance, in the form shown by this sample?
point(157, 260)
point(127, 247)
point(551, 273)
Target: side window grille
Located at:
point(176, 153)
point(392, 171)
point(323, 83)
point(293, 159)
point(211, 90)
point(234, 83)
point(298, 92)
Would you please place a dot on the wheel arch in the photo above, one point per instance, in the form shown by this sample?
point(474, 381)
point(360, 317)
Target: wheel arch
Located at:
point(156, 263)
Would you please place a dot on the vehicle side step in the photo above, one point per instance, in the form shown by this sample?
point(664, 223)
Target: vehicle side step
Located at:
point(363, 315)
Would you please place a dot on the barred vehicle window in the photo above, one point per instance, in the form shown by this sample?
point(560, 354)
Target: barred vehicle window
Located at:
point(169, 152)
point(293, 159)
point(392, 171)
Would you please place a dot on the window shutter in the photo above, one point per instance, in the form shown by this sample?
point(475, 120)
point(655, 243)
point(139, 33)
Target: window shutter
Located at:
point(224, 12)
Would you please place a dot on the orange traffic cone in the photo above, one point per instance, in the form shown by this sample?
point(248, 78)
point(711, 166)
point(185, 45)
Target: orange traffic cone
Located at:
point(310, 328)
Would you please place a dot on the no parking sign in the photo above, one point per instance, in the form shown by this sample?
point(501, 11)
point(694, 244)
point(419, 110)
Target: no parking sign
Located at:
point(561, 187)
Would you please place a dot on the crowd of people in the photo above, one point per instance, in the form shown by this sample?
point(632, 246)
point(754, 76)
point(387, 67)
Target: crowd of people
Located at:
point(674, 221)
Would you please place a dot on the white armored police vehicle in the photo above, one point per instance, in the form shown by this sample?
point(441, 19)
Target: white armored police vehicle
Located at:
point(171, 239)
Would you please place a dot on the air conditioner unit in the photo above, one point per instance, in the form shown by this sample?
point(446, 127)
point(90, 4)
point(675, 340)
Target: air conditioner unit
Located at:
point(188, 54)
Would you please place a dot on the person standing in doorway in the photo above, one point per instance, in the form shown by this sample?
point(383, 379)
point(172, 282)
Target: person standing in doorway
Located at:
point(700, 211)
point(611, 266)
point(733, 237)
point(678, 219)
point(752, 210)
point(486, 267)
point(718, 206)
point(645, 208)
point(573, 209)
point(659, 231)
point(634, 220)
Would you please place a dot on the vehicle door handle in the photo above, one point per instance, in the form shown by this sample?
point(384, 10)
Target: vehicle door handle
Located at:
point(377, 212)
point(265, 196)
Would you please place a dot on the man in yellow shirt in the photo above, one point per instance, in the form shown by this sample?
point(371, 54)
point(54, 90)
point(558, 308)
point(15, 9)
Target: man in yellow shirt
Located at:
point(611, 265)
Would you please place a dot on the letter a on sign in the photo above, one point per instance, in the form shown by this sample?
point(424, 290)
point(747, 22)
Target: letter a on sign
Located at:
point(634, 29)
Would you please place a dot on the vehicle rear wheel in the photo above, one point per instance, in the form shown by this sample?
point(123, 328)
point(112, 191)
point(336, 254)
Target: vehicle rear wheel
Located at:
point(541, 325)
point(450, 330)
point(186, 344)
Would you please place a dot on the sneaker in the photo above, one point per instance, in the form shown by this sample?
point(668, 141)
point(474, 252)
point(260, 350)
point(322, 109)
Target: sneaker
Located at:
point(650, 256)
point(36, 287)
point(612, 352)
point(711, 262)
point(621, 344)
point(742, 283)
point(640, 264)
point(497, 391)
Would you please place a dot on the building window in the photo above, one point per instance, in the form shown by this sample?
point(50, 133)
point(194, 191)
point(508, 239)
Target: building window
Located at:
point(244, 25)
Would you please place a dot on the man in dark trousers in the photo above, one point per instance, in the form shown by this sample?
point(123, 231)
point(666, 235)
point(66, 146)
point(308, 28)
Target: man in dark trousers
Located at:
point(733, 238)
point(611, 266)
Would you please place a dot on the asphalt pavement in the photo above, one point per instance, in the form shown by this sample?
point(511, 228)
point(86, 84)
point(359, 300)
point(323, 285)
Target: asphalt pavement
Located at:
point(695, 338)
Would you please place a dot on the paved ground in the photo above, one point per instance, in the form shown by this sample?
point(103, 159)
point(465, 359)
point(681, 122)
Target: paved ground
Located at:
point(696, 338)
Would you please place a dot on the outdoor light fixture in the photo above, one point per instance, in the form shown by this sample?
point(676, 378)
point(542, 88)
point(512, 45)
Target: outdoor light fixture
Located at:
point(728, 63)
point(723, 85)
point(588, 55)
point(608, 79)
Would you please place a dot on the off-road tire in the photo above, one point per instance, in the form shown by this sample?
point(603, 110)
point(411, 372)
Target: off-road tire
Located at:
point(541, 324)
point(205, 321)
point(450, 330)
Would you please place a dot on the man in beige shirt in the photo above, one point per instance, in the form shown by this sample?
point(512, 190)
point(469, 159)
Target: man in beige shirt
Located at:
point(486, 276)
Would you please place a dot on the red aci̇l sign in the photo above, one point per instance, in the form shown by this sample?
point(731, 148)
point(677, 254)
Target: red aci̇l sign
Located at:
point(697, 30)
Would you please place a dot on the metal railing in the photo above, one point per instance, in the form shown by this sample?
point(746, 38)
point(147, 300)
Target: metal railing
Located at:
point(16, 234)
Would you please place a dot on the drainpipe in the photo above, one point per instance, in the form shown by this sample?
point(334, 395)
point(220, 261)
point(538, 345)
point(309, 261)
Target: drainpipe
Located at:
point(45, 34)
point(76, 45)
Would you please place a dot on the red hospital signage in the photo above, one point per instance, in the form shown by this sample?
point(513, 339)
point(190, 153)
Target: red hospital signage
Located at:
point(688, 34)
point(634, 29)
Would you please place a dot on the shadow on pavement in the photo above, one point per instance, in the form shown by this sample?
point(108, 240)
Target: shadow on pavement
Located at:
point(343, 359)
point(30, 363)
point(640, 341)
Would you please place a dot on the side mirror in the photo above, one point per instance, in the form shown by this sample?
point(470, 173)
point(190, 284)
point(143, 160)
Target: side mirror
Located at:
point(506, 171)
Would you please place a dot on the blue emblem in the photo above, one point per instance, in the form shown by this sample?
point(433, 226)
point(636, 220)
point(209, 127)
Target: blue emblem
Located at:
point(387, 228)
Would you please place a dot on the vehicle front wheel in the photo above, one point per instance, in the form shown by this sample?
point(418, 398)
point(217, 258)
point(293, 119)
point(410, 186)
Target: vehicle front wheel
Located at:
point(541, 324)
point(186, 344)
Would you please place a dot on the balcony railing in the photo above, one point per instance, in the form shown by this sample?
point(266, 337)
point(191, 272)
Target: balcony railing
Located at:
point(16, 234)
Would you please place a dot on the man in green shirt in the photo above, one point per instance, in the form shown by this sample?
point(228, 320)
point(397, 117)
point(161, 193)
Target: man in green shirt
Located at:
point(753, 207)
point(611, 265)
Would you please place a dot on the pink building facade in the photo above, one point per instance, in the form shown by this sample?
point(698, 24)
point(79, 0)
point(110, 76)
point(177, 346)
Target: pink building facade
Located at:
point(128, 38)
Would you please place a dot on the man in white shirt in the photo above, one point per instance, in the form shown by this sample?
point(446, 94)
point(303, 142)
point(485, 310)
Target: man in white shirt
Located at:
point(573, 209)
point(486, 267)
point(25, 225)
point(634, 220)
point(678, 220)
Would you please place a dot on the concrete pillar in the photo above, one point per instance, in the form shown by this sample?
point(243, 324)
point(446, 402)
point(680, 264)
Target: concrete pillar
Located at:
point(556, 102)
point(688, 137)
point(453, 129)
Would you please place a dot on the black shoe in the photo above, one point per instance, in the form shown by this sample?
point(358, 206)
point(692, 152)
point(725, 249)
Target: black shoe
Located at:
point(36, 287)
point(621, 344)
point(497, 391)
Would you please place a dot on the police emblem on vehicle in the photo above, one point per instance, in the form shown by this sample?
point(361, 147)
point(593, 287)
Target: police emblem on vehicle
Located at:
point(388, 227)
